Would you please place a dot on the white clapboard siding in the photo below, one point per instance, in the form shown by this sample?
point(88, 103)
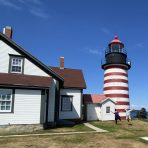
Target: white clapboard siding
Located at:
point(5, 50)
point(29, 67)
point(108, 116)
point(93, 112)
point(32, 69)
point(76, 105)
point(51, 101)
point(27, 105)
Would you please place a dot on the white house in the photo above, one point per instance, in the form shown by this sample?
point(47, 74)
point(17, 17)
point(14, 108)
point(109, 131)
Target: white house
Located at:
point(98, 107)
point(71, 91)
point(34, 93)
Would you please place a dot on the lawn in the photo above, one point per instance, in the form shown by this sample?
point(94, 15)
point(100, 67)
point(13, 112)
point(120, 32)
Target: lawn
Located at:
point(30, 129)
point(123, 135)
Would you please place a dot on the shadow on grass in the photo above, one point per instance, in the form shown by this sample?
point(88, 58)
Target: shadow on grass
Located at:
point(55, 129)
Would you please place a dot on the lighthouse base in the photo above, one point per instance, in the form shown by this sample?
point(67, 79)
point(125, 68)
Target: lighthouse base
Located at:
point(123, 117)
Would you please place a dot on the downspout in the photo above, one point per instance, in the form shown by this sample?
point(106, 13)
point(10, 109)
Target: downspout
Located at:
point(47, 101)
point(57, 98)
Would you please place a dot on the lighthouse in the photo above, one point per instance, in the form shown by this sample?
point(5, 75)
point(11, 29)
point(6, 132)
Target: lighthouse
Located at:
point(116, 66)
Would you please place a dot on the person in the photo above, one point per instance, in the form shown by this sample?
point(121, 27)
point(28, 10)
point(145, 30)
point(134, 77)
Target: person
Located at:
point(128, 114)
point(117, 117)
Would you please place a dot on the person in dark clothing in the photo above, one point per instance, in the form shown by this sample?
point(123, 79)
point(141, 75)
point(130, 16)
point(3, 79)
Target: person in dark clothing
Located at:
point(117, 117)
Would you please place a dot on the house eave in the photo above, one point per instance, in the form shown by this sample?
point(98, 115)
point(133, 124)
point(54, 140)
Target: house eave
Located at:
point(22, 86)
point(30, 57)
point(66, 87)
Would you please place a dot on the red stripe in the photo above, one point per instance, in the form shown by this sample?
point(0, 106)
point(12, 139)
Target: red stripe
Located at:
point(116, 66)
point(116, 80)
point(117, 95)
point(123, 117)
point(121, 110)
point(115, 73)
point(116, 88)
point(122, 103)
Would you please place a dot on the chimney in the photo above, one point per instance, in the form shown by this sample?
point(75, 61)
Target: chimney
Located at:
point(7, 31)
point(61, 62)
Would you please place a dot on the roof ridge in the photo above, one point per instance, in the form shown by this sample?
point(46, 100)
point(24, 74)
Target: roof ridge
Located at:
point(64, 68)
point(31, 56)
point(95, 94)
point(73, 78)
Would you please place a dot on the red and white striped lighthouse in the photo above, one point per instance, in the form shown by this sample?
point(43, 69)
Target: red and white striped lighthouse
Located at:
point(116, 68)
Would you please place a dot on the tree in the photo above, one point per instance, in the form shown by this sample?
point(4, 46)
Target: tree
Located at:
point(142, 114)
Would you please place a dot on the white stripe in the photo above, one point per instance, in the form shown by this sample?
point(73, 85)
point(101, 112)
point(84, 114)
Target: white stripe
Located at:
point(122, 106)
point(115, 70)
point(120, 99)
point(122, 114)
point(116, 84)
point(116, 92)
point(115, 77)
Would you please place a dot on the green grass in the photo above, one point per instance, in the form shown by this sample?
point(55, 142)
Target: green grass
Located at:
point(121, 135)
point(75, 128)
point(107, 125)
point(124, 130)
point(143, 141)
point(146, 120)
point(71, 139)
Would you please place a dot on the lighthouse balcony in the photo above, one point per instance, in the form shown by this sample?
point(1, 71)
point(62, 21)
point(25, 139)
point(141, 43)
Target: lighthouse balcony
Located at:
point(105, 62)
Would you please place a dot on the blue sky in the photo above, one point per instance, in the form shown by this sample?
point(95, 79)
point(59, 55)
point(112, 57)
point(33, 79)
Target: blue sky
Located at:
point(80, 30)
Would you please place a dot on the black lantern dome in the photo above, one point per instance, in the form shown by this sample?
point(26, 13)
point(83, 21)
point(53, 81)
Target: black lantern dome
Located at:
point(115, 54)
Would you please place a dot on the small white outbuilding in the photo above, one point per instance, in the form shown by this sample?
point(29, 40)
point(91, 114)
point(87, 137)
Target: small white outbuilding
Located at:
point(98, 107)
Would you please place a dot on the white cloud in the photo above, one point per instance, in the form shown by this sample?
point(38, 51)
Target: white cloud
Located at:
point(95, 52)
point(139, 45)
point(135, 106)
point(22, 1)
point(34, 7)
point(105, 30)
point(36, 2)
point(39, 12)
point(8, 3)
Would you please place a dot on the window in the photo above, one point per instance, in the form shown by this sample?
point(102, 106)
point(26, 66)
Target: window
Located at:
point(66, 103)
point(16, 64)
point(107, 109)
point(5, 100)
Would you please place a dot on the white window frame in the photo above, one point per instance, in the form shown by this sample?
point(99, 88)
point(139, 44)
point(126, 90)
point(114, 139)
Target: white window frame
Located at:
point(16, 64)
point(107, 109)
point(64, 99)
point(3, 101)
